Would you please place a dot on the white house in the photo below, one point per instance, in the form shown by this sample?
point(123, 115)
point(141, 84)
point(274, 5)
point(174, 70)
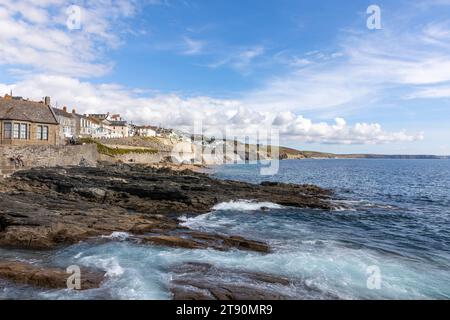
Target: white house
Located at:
point(120, 129)
point(145, 131)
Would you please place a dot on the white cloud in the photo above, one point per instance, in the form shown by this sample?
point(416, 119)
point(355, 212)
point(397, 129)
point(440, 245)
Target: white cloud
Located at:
point(398, 62)
point(239, 59)
point(33, 34)
point(193, 47)
point(341, 133)
point(242, 61)
point(431, 93)
point(172, 110)
point(35, 40)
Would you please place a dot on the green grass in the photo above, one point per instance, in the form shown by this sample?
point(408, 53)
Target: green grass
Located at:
point(102, 149)
point(152, 139)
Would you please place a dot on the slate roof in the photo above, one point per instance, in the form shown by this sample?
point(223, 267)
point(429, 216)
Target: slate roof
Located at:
point(62, 113)
point(118, 123)
point(23, 110)
point(147, 127)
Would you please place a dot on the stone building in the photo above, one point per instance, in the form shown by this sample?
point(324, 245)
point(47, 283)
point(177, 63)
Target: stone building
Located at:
point(67, 123)
point(86, 127)
point(24, 122)
point(120, 129)
point(145, 131)
point(102, 127)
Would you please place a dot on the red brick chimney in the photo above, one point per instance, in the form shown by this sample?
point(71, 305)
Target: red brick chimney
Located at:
point(65, 109)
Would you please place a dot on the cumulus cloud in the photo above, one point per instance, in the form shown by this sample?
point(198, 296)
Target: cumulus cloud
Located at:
point(34, 39)
point(341, 133)
point(216, 115)
point(34, 35)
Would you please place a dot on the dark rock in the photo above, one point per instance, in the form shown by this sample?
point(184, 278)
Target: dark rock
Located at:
point(202, 281)
point(42, 208)
point(50, 278)
point(200, 240)
point(172, 241)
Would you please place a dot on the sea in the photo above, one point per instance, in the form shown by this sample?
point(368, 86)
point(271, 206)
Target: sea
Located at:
point(387, 238)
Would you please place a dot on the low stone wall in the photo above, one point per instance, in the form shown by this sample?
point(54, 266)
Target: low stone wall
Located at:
point(46, 156)
point(139, 158)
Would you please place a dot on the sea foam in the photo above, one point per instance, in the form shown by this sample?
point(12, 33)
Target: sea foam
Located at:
point(120, 236)
point(245, 205)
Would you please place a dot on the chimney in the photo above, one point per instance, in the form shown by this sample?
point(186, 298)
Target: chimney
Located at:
point(65, 109)
point(74, 111)
point(47, 101)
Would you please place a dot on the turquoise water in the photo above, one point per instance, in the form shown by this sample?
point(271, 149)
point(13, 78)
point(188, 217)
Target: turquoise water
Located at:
point(393, 215)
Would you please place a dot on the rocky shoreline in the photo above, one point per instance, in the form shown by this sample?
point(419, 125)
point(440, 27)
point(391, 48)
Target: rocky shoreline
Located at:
point(48, 208)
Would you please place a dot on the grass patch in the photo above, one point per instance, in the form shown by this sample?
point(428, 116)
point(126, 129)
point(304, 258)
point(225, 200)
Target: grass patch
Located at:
point(102, 149)
point(151, 139)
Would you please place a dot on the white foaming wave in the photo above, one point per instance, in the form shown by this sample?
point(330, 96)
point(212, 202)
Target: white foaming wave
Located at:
point(353, 205)
point(246, 205)
point(314, 242)
point(340, 209)
point(110, 265)
point(121, 236)
point(195, 222)
point(211, 220)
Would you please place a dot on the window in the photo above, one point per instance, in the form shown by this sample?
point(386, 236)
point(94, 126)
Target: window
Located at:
point(23, 131)
point(7, 130)
point(16, 131)
point(44, 133)
point(39, 132)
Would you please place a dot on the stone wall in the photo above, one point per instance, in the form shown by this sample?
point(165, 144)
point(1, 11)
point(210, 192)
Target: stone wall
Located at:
point(46, 156)
point(53, 134)
point(138, 158)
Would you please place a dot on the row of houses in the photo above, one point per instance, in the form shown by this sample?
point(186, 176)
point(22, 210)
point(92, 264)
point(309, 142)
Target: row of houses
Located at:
point(28, 122)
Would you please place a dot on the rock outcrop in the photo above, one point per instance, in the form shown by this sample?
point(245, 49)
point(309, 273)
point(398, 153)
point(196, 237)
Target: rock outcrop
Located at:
point(203, 281)
point(50, 278)
point(43, 208)
point(202, 240)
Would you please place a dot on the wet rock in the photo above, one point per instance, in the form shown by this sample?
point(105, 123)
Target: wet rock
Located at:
point(43, 208)
point(95, 193)
point(203, 281)
point(245, 244)
point(164, 191)
point(222, 242)
point(50, 278)
point(3, 223)
point(188, 239)
point(172, 241)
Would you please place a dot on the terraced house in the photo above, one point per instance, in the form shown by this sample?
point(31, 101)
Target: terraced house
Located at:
point(67, 123)
point(24, 122)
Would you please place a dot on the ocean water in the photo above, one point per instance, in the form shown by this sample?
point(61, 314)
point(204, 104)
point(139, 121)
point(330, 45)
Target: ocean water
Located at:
point(389, 237)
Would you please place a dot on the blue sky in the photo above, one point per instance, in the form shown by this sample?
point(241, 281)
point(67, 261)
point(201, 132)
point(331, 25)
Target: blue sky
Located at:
point(310, 69)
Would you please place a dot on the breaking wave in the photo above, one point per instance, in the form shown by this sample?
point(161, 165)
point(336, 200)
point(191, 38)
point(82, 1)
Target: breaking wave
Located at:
point(120, 236)
point(246, 205)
